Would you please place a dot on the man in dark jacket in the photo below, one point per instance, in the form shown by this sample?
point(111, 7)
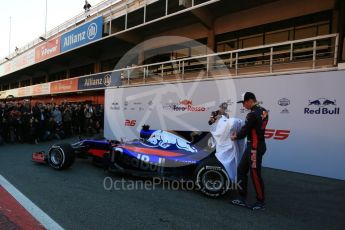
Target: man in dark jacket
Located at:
point(254, 130)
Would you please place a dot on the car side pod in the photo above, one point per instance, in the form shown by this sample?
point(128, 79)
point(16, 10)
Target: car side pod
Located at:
point(40, 157)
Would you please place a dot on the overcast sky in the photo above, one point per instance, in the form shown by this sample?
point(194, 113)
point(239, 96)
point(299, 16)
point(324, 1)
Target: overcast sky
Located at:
point(28, 19)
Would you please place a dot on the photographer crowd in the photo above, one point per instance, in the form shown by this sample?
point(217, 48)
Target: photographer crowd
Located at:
point(23, 123)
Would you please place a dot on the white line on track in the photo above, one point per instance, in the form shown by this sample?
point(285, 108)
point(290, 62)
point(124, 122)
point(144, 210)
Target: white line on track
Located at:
point(35, 211)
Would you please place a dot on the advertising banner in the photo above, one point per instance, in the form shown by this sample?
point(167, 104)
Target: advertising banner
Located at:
point(100, 81)
point(47, 50)
point(25, 91)
point(63, 86)
point(24, 60)
point(2, 71)
point(19, 62)
point(11, 92)
point(307, 118)
point(8, 67)
point(41, 89)
point(82, 35)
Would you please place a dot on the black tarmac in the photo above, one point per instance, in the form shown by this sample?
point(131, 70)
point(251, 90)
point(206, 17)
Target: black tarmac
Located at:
point(77, 199)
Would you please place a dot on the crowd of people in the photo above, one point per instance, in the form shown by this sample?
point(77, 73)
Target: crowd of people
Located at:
point(22, 123)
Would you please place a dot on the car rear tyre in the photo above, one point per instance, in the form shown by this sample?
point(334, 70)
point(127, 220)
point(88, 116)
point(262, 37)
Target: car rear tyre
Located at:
point(61, 156)
point(211, 178)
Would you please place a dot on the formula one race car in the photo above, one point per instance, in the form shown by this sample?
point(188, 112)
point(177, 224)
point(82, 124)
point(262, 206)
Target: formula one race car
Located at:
point(157, 153)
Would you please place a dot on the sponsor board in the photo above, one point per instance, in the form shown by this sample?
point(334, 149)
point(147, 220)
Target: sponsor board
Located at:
point(41, 89)
point(11, 92)
point(2, 71)
point(176, 107)
point(7, 67)
point(299, 142)
point(21, 61)
point(82, 35)
point(68, 85)
point(25, 91)
point(100, 81)
point(47, 50)
point(5, 94)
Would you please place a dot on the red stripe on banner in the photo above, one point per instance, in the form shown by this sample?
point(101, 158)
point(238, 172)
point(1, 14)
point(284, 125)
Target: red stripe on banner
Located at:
point(12, 214)
point(156, 152)
point(257, 184)
point(255, 139)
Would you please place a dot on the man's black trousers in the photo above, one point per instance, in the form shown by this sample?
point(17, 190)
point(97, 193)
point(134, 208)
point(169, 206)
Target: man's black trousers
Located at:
point(251, 161)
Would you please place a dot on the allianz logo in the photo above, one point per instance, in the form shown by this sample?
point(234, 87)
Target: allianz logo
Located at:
point(81, 36)
point(74, 38)
point(92, 31)
point(106, 81)
point(322, 106)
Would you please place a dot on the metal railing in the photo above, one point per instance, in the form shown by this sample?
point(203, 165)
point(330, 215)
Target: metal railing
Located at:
point(298, 55)
point(304, 54)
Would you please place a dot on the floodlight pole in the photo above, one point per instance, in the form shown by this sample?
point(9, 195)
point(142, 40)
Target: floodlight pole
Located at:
point(9, 38)
point(45, 23)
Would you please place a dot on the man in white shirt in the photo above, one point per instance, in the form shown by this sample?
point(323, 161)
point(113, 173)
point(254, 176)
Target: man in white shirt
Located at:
point(228, 152)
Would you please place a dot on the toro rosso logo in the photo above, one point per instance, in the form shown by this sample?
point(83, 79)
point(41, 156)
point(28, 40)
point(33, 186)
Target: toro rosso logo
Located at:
point(322, 106)
point(183, 106)
point(165, 140)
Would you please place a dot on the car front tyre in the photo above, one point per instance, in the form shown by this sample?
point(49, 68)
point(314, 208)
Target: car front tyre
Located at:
point(61, 156)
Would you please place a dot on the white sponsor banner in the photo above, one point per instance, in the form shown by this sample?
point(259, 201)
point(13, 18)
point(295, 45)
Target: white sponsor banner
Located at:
point(19, 62)
point(182, 107)
point(9, 94)
point(2, 71)
point(307, 122)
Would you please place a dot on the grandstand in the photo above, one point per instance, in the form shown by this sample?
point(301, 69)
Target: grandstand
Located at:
point(78, 59)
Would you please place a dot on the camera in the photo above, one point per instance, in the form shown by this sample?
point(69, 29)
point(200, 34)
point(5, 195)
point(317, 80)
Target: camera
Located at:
point(213, 118)
point(214, 114)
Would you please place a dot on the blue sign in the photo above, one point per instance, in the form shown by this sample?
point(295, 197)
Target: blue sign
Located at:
point(82, 35)
point(99, 81)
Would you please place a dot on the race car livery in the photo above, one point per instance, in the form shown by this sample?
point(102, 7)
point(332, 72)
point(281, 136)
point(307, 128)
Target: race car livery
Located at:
point(156, 153)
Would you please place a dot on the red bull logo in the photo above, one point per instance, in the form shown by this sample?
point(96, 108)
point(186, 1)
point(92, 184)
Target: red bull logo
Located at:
point(322, 106)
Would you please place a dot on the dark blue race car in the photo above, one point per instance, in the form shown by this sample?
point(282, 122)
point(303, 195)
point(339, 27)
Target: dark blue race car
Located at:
point(187, 155)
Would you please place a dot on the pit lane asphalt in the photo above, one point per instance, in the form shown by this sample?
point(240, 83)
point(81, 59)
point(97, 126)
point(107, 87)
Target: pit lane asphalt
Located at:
point(76, 199)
